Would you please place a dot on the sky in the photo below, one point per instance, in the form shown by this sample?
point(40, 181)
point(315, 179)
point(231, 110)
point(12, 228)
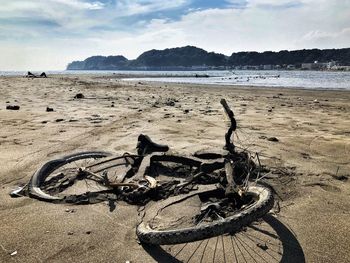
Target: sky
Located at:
point(48, 34)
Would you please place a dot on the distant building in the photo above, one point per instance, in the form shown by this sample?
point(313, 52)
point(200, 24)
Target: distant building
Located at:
point(314, 66)
point(331, 64)
point(341, 68)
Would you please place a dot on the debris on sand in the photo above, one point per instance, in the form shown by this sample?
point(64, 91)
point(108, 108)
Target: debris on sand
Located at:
point(12, 107)
point(48, 109)
point(79, 96)
point(272, 139)
point(18, 192)
point(170, 102)
point(31, 75)
point(342, 178)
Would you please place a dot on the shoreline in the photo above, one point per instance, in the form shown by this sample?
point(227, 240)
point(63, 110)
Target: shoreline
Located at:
point(316, 80)
point(154, 83)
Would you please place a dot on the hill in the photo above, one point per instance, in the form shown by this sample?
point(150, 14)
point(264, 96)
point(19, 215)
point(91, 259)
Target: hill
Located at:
point(190, 57)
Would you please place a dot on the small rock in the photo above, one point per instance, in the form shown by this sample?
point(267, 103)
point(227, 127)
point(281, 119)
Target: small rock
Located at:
point(59, 120)
point(340, 177)
point(44, 122)
point(12, 107)
point(272, 139)
point(79, 96)
point(186, 111)
point(263, 247)
point(88, 232)
point(170, 103)
point(70, 233)
point(48, 109)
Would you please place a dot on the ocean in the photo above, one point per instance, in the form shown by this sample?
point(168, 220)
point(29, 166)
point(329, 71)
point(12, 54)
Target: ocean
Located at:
point(268, 78)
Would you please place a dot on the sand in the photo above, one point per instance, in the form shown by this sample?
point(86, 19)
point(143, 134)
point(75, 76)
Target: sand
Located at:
point(313, 148)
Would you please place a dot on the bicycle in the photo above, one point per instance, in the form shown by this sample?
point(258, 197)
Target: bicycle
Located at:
point(222, 181)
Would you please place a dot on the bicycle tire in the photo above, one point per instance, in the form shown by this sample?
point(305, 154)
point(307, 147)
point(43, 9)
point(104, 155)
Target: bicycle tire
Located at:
point(40, 175)
point(231, 224)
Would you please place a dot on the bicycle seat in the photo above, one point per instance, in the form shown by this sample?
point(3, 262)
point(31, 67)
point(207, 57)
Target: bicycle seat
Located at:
point(145, 145)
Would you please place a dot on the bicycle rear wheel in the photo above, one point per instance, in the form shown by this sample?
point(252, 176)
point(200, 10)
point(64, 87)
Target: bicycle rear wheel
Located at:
point(74, 175)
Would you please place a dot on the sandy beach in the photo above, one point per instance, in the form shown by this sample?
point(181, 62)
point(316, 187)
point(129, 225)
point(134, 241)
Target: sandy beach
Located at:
point(312, 128)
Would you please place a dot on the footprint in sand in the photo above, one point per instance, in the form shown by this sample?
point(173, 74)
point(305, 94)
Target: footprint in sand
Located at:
point(336, 149)
point(326, 187)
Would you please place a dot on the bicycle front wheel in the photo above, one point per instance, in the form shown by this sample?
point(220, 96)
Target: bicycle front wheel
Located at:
point(263, 202)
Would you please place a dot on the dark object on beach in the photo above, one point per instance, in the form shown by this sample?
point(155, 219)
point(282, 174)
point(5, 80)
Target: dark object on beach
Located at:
point(229, 146)
point(79, 96)
point(12, 107)
point(31, 75)
point(48, 109)
point(59, 120)
point(202, 76)
point(272, 139)
point(170, 102)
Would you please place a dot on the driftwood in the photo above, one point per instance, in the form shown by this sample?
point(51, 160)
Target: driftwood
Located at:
point(233, 126)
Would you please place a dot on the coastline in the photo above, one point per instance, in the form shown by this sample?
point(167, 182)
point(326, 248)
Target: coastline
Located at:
point(259, 78)
point(312, 128)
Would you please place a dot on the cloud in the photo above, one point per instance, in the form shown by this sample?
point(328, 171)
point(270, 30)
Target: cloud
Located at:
point(78, 4)
point(68, 30)
point(322, 39)
point(129, 7)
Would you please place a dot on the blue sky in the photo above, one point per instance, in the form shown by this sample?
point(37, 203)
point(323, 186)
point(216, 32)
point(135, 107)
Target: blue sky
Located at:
point(48, 34)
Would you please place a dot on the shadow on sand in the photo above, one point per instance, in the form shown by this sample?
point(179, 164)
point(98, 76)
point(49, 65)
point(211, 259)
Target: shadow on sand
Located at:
point(266, 241)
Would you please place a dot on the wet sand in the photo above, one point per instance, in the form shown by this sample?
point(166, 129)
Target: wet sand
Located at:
point(313, 150)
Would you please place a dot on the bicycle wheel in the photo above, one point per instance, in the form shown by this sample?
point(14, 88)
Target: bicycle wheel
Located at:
point(74, 175)
point(263, 202)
